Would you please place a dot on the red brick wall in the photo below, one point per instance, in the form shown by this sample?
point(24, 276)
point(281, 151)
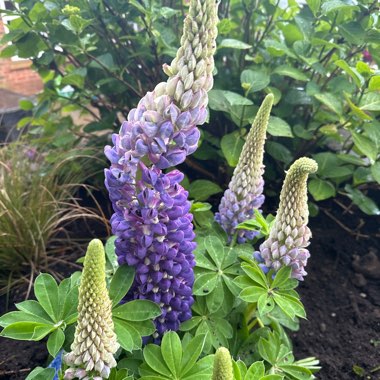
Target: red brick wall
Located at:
point(17, 76)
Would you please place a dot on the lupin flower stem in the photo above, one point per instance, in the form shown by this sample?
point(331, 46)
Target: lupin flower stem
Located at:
point(222, 365)
point(94, 340)
point(152, 220)
point(289, 236)
point(245, 191)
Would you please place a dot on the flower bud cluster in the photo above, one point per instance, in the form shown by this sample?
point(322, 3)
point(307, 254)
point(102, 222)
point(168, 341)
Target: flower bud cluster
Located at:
point(289, 236)
point(151, 220)
point(245, 191)
point(94, 345)
point(155, 235)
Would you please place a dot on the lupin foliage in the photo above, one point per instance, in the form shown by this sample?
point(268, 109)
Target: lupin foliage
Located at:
point(238, 306)
point(95, 344)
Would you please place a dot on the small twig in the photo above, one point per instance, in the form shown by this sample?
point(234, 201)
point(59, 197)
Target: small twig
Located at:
point(339, 223)
point(14, 371)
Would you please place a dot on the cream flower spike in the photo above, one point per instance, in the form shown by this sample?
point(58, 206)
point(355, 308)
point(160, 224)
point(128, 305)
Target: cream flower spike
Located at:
point(94, 345)
point(289, 236)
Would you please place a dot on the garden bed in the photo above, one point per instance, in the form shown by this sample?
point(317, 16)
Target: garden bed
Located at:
point(342, 298)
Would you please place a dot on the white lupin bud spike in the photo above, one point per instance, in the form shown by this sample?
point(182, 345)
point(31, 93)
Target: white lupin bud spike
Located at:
point(94, 340)
point(250, 166)
point(293, 195)
point(194, 62)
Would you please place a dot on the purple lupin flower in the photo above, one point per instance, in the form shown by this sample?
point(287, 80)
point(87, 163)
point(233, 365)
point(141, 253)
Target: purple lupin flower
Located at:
point(152, 221)
point(155, 235)
point(289, 236)
point(245, 191)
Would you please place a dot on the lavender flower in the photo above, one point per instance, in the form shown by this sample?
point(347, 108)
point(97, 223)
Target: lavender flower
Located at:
point(151, 220)
point(155, 235)
point(245, 191)
point(289, 236)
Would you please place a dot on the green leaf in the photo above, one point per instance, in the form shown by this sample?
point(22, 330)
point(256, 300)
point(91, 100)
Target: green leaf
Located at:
point(155, 360)
point(233, 44)
point(20, 316)
point(297, 372)
point(171, 350)
point(40, 373)
point(272, 377)
point(321, 189)
point(26, 105)
point(370, 102)
point(123, 335)
point(253, 81)
point(353, 32)
point(215, 249)
point(46, 292)
point(220, 100)
point(291, 72)
point(251, 294)
point(255, 273)
point(367, 205)
point(279, 127)
point(365, 145)
point(205, 283)
point(290, 305)
point(120, 283)
point(216, 298)
point(282, 277)
point(356, 110)
point(358, 79)
point(375, 171)
point(27, 331)
point(279, 152)
point(335, 5)
point(256, 371)
point(267, 350)
point(191, 353)
point(232, 145)
point(314, 5)
point(374, 83)
point(110, 252)
point(34, 308)
point(330, 101)
point(265, 304)
point(202, 189)
point(55, 342)
point(137, 310)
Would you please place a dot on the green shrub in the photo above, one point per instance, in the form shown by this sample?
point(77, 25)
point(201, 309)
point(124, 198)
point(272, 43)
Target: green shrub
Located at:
point(319, 59)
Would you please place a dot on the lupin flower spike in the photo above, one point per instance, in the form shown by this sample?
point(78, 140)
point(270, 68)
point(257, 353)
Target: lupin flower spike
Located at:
point(245, 191)
point(152, 220)
point(222, 365)
point(164, 124)
point(94, 345)
point(289, 236)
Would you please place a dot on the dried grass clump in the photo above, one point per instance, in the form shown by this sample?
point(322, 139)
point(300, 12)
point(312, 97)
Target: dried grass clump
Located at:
point(37, 201)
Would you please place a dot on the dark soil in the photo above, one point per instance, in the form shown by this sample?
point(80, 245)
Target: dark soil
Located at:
point(341, 294)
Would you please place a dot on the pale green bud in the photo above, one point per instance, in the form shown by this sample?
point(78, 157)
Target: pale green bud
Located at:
point(247, 178)
point(222, 365)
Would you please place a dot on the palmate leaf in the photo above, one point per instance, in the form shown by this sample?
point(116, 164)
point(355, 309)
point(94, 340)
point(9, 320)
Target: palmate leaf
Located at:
point(55, 309)
point(176, 360)
point(269, 293)
point(217, 266)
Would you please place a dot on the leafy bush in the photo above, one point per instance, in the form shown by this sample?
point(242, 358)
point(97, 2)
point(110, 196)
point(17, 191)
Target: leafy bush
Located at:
point(37, 200)
point(319, 59)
